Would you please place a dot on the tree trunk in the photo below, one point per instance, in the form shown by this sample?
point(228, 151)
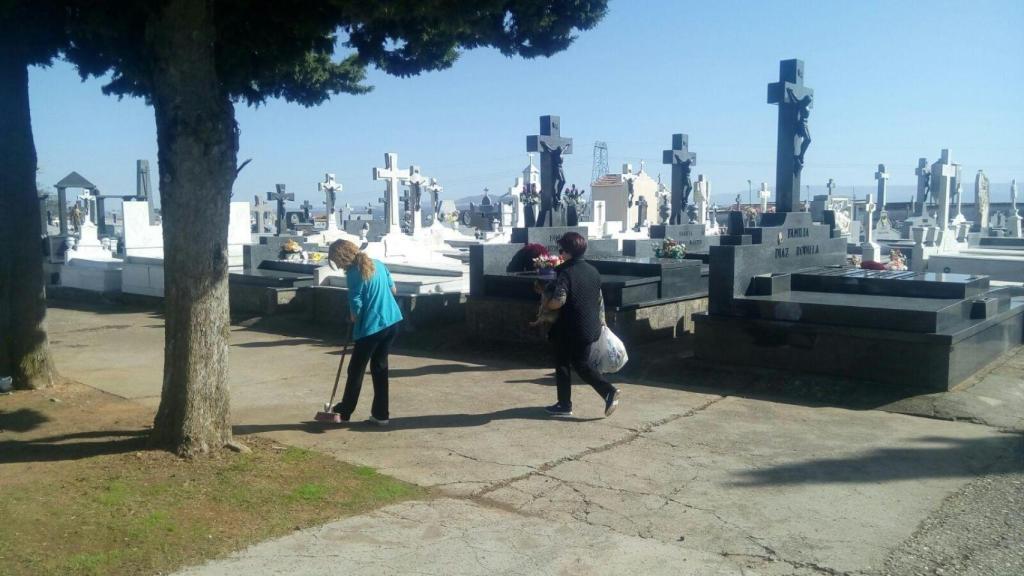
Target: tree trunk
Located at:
point(24, 347)
point(197, 140)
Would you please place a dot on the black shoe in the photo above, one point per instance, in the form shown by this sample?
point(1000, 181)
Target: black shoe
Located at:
point(337, 410)
point(558, 410)
point(611, 402)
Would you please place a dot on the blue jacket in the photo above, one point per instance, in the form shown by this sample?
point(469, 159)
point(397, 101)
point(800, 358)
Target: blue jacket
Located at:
point(371, 300)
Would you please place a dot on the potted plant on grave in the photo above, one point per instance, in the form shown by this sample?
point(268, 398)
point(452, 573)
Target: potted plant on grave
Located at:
point(670, 248)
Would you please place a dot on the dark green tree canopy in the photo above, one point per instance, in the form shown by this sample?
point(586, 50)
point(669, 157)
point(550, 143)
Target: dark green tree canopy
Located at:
point(32, 31)
point(287, 48)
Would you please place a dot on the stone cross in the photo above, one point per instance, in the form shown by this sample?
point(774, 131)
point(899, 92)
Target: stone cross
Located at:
point(869, 227)
point(958, 186)
point(682, 161)
point(702, 198)
point(416, 182)
point(764, 194)
point(263, 213)
point(281, 196)
point(552, 147)
point(435, 189)
point(883, 178)
point(795, 101)
point(393, 177)
point(628, 177)
point(943, 171)
point(306, 207)
point(831, 185)
point(330, 189)
point(924, 176)
point(88, 198)
point(981, 199)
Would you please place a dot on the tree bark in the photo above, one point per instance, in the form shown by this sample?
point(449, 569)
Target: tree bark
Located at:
point(197, 141)
point(24, 347)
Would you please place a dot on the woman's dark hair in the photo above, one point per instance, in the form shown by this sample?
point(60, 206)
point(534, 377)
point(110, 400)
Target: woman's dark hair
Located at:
point(573, 243)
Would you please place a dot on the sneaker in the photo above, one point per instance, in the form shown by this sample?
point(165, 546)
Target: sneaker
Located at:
point(559, 410)
point(611, 402)
point(378, 421)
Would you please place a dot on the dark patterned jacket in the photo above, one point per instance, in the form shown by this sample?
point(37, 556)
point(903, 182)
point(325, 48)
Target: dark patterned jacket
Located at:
point(579, 322)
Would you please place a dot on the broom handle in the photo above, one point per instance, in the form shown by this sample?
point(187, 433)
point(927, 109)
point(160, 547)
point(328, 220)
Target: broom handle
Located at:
point(344, 352)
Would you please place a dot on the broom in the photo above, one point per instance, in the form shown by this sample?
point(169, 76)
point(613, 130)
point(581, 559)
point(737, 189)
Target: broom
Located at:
point(326, 415)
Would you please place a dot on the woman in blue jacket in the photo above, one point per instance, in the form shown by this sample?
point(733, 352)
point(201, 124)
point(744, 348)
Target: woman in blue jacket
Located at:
point(375, 316)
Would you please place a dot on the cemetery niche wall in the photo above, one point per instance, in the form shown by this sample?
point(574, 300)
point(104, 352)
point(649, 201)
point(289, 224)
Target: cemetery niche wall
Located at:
point(781, 296)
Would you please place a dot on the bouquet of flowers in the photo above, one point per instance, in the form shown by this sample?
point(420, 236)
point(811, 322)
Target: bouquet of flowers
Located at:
point(669, 248)
point(546, 261)
point(897, 261)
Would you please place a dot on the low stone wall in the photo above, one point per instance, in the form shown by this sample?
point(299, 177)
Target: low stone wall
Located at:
point(507, 320)
point(265, 301)
point(328, 305)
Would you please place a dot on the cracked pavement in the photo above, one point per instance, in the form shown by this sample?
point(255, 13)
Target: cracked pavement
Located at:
point(676, 482)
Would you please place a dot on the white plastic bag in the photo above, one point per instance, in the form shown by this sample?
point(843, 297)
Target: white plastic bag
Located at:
point(608, 354)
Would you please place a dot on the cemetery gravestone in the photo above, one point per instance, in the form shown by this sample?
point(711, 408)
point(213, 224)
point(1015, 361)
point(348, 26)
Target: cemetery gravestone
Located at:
point(552, 147)
point(393, 178)
point(281, 197)
point(682, 162)
point(794, 101)
point(330, 189)
point(981, 201)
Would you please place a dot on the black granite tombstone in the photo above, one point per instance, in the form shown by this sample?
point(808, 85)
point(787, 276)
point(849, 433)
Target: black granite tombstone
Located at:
point(552, 147)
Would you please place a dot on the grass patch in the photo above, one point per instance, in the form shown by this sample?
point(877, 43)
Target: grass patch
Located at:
point(103, 505)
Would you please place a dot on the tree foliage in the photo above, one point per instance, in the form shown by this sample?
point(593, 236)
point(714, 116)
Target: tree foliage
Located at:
point(305, 52)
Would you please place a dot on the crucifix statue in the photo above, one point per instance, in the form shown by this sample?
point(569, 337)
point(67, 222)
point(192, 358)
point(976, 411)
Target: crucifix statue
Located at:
point(682, 161)
point(416, 181)
point(330, 190)
point(794, 136)
point(281, 196)
point(552, 147)
point(435, 189)
point(393, 177)
point(831, 185)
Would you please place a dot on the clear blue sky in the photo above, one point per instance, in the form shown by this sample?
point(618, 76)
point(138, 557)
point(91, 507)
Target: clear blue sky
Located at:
point(894, 80)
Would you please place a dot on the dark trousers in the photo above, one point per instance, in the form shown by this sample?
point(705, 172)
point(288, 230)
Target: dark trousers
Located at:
point(372, 349)
point(574, 356)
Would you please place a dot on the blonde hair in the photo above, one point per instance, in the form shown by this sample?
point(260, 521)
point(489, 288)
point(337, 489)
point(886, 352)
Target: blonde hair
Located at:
point(345, 254)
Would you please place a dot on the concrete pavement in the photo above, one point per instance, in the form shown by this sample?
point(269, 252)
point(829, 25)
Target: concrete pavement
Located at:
point(677, 481)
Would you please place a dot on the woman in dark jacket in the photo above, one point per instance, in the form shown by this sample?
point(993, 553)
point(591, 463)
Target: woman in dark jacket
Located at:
point(577, 297)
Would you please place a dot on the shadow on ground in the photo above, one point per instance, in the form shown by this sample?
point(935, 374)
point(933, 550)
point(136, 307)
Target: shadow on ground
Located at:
point(936, 457)
point(73, 446)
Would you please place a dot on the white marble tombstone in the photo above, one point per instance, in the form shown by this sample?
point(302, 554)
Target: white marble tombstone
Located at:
point(393, 178)
point(943, 172)
point(518, 210)
point(981, 200)
point(765, 194)
point(1014, 225)
point(702, 198)
point(869, 248)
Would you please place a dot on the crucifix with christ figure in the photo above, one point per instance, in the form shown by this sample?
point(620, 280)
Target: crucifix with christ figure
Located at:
point(682, 161)
point(330, 189)
point(552, 147)
point(281, 196)
point(794, 135)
